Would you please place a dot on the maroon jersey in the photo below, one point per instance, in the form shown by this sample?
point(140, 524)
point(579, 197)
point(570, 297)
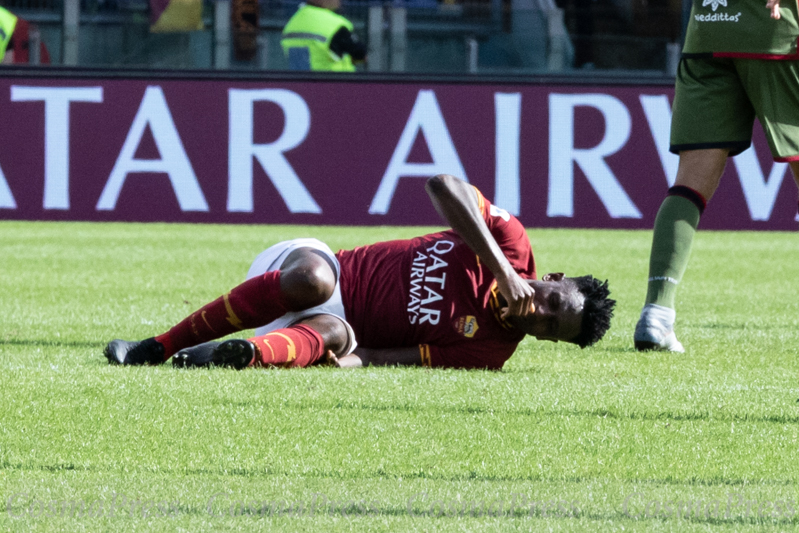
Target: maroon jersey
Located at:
point(434, 292)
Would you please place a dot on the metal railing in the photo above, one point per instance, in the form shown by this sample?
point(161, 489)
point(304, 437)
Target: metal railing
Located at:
point(493, 36)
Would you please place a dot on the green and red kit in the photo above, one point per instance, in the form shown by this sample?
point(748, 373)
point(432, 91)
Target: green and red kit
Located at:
point(742, 29)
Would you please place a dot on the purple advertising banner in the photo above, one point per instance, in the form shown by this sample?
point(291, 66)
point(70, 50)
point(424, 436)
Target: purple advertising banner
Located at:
point(355, 153)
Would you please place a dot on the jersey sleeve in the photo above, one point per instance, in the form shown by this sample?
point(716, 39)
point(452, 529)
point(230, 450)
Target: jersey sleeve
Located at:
point(510, 236)
point(486, 355)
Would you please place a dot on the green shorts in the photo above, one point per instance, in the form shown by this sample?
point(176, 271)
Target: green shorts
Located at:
point(716, 101)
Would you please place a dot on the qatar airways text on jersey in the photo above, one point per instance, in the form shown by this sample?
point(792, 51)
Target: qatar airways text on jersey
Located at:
point(428, 281)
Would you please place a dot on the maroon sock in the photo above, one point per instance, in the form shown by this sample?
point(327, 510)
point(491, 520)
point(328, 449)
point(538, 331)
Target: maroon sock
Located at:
point(255, 302)
point(298, 345)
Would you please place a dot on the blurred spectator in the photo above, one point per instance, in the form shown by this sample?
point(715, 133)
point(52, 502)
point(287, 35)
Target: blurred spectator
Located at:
point(584, 22)
point(8, 23)
point(244, 17)
point(15, 40)
point(316, 38)
point(175, 15)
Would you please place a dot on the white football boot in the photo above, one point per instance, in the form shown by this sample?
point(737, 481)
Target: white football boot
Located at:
point(655, 330)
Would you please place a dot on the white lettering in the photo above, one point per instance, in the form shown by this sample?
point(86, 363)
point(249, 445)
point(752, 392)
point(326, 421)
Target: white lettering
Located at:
point(426, 118)
point(6, 198)
point(508, 116)
point(718, 17)
point(413, 311)
point(430, 315)
point(441, 247)
point(432, 296)
point(416, 285)
point(441, 281)
point(421, 282)
point(760, 193)
point(495, 211)
point(437, 263)
point(562, 155)
point(658, 116)
point(56, 134)
point(174, 162)
point(241, 150)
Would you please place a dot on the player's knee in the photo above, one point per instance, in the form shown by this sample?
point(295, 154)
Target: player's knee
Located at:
point(332, 330)
point(308, 284)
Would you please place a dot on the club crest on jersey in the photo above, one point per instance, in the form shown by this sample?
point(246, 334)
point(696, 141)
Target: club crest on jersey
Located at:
point(467, 326)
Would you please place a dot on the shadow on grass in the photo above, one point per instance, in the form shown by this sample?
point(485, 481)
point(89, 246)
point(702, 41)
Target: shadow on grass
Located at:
point(752, 326)
point(270, 509)
point(379, 474)
point(63, 467)
point(439, 511)
point(619, 349)
point(52, 343)
point(470, 410)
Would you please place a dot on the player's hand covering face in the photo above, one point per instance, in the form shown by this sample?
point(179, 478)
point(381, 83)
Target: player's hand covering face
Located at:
point(519, 295)
point(558, 310)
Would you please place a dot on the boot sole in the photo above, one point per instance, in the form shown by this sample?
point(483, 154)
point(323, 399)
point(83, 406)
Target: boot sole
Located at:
point(200, 356)
point(236, 353)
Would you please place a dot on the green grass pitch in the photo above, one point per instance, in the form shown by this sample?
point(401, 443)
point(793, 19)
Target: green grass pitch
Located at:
point(562, 439)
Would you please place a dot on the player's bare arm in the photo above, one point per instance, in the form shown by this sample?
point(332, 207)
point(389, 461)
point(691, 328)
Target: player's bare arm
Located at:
point(410, 356)
point(774, 7)
point(456, 202)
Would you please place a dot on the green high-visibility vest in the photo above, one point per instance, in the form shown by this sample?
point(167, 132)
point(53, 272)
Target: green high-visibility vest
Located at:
point(306, 40)
point(7, 24)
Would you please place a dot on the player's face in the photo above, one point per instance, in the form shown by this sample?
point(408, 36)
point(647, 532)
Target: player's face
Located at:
point(558, 309)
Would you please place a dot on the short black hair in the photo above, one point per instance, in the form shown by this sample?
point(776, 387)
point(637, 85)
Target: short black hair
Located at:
point(597, 310)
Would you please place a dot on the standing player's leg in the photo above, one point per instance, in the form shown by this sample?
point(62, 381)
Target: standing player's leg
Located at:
point(698, 177)
point(306, 278)
point(712, 118)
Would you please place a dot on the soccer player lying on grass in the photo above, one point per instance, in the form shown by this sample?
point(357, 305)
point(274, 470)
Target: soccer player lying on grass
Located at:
point(461, 298)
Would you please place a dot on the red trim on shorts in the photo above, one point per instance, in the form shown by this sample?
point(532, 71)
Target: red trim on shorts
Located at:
point(787, 159)
point(769, 57)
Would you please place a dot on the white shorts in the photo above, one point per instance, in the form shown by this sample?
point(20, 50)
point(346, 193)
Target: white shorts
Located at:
point(272, 259)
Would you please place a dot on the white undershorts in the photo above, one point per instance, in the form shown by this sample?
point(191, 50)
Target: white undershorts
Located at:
point(272, 259)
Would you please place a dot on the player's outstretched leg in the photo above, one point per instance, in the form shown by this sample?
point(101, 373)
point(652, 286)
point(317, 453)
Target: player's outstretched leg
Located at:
point(306, 279)
point(299, 345)
point(253, 303)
